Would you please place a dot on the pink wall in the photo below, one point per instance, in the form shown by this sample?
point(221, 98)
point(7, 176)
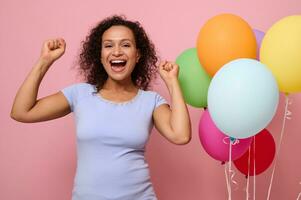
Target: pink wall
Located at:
point(38, 160)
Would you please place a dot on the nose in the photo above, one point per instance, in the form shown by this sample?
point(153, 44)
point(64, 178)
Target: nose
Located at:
point(117, 51)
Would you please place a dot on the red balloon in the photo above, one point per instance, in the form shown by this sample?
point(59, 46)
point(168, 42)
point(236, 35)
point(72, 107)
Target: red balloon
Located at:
point(265, 149)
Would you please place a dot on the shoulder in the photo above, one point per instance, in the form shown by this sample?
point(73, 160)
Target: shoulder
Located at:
point(83, 86)
point(153, 98)
point(150, 94)
point(80, 87)
point(78, 90)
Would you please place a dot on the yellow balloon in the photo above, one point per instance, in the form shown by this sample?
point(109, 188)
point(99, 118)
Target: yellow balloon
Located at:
point(281, 52)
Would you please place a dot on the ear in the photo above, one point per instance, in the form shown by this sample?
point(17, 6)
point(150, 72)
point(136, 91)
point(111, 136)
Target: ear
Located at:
point(101, 59)
point(138, 56)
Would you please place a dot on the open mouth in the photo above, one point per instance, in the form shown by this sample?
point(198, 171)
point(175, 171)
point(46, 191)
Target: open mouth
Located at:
point(118, 65)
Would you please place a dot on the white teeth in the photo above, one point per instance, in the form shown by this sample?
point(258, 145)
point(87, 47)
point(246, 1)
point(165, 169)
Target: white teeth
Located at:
point(117, 61)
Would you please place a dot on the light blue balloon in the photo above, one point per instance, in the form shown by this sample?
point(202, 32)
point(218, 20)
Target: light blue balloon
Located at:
point(243, 98)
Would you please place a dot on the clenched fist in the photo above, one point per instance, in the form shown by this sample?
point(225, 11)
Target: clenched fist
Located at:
point(52, 50)
point(168, 71)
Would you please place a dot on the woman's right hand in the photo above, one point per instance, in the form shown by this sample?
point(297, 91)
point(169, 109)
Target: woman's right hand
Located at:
point(26, 107)
point(52, 50)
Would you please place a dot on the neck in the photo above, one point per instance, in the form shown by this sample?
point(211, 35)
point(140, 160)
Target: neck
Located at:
point(124, 85)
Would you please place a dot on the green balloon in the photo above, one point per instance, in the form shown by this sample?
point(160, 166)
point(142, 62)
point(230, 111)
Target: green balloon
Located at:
point(193, 79)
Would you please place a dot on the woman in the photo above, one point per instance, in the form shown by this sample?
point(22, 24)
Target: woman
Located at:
point(113, 110)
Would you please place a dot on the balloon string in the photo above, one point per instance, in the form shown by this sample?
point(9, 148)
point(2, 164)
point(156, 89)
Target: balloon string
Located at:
point(254, 169)
point(230, 157)
point(227, 181)
point(231, 171)
point(248, 176)
point(287, 115)
point(299, 195)
point(234, 142)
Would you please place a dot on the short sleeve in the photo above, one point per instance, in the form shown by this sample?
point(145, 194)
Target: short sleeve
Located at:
point(159, 100)
point(70, 94)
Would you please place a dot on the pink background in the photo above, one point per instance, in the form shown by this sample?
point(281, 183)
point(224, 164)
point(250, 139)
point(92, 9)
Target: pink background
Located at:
point(38, 160)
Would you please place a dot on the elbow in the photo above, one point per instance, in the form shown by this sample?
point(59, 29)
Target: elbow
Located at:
point(17, 117)
point(183, 137)
point(13, 115)
point(183, 140)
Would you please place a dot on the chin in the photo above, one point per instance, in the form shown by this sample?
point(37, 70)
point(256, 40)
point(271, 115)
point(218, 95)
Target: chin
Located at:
point(119, 77)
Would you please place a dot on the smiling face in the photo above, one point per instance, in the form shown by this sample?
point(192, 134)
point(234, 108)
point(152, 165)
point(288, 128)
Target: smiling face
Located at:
point(119, 54)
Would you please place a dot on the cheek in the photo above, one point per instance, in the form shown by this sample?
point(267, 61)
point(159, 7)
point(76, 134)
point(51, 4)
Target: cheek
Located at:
point(103, 56)
point(133, 55)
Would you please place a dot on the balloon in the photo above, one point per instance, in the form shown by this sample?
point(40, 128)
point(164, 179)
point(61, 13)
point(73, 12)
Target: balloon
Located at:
point(216, 144)
point(264, 154)
point(280, 51)
point(224, 38)
point(259, 36)
point(193, 79)
point(242, 98)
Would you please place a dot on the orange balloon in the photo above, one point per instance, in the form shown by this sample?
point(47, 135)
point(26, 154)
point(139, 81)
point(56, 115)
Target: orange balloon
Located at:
point(224, 38)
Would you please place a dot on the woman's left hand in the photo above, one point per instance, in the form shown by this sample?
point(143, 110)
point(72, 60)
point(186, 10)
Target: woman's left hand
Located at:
point(168, 71)
point(173, 121)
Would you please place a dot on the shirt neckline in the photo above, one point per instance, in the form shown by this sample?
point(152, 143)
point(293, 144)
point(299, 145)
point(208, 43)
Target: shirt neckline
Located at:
point(122, 102)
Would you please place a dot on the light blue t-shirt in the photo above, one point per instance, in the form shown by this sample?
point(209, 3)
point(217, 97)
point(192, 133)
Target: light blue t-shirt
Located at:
point(111, 139)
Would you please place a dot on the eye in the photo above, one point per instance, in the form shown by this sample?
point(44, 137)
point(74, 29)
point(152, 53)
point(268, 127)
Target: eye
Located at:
point(107, 46)
point(126, 45)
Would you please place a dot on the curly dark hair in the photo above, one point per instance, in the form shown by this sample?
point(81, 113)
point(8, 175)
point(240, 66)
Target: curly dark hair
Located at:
point(89, 58)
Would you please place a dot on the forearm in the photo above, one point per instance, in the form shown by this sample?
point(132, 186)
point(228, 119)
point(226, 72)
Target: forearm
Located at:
point(180, 121)
point(26, 96)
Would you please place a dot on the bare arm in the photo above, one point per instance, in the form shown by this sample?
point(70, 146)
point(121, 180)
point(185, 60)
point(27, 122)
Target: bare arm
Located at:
point(174, 124)
point(26, 108)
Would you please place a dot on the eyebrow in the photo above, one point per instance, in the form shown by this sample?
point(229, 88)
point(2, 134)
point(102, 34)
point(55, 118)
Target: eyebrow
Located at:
point(118, 40)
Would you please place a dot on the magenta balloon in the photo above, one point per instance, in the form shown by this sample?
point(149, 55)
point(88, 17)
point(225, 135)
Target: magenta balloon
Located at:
point(216, 143)
point(259, 36)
